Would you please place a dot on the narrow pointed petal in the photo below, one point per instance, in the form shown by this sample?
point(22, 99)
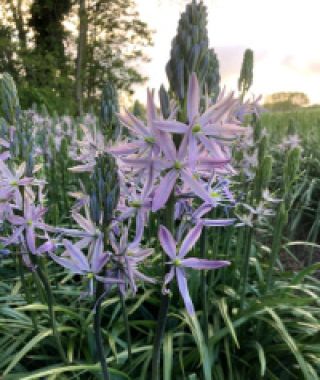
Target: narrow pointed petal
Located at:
point(77, 255)
point(195, 186)
point(184, 291)
point(167, 242)
point(14, 238)
point(183, 148)
point(164, 190)
point(193, 151)
point(171, 126)
point(167, 146)
point(167, 279)
point(151, 109)
point(84, 223)
point(137, 124)
point(195, 263)
point(190, 240)
point(16, 220)
point(45, 247)
point(125, 148)
point(140, 220)
point(193, 101)
point(218, 222)
point(202, 210)
point(82, 168)
point(96, 255)
point(68, 264)
point(31, 239)
point(109, 280)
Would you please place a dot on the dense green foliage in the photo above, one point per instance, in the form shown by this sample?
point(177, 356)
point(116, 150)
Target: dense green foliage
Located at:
point(40, 40)
point(263, 315)
point(263, 311)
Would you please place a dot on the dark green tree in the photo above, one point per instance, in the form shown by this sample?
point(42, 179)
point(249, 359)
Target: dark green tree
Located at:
point(115, 41)
point(49, 36)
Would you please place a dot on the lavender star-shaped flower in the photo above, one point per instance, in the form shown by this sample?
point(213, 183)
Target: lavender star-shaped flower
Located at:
point(178, 262)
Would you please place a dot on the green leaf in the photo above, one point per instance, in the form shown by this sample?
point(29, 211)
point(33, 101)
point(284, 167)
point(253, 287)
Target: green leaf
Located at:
point(224, 313)
point(167, 356)
point(262, 357)
point(29, 346)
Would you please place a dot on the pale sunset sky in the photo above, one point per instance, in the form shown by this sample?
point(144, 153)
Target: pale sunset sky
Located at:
point(284, 35)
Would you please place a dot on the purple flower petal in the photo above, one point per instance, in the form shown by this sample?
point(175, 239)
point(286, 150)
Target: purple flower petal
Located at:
point(195, 186)
point(77, 255)
point(164, 190)
point(195, 263)
point(68, 264)
point(31, 239)
point(171, 126)
point(168, 278)
point(109, 280)
point(190, 240)
point(45, 247)
point(167, 242)
point(97, 258)
point(84, 223)
point(218, 222)
point(16, 220)
point(184, 291)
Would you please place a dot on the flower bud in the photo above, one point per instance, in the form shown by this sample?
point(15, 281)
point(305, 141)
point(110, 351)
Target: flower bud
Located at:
point(105, 189)
point(108, 112)
point(291, 167)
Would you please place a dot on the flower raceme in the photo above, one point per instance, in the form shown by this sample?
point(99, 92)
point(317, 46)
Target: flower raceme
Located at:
point(178, 263)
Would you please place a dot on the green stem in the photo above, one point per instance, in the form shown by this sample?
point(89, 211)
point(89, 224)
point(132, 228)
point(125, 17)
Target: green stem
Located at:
point(50, 303)
point(160, 330)
point(126, 323)
point(98, 333)
point(203, 279)
point(281, 221)
point(164, 303)
point(26, 289)
point(246, 265)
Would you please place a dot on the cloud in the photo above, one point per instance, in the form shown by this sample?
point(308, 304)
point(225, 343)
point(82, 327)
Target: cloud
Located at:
point(314, 67)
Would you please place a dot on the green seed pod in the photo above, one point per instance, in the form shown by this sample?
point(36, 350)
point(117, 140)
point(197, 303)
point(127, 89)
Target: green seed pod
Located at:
point(138, 110)
point(104, 190)
point(291, 167)
point(263, 176)
point(257, 128)
point(266, 171)
point(213, 75)
point(164, 102)
point(9, 98)
point(263, 147)
point(292, 127)
point(108, 112)
point(246, 74)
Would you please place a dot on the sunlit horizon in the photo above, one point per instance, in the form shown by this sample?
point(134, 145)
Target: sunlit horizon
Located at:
point(279, 33)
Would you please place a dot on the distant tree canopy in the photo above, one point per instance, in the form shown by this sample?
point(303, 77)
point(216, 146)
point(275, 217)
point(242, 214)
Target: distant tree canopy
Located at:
point(61, 52)
point(285, 101)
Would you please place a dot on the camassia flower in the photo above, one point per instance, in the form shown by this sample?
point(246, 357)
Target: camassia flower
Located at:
point(79, 263)
point(178, 263)
point(202, 127)
point(31, 220)
point(10, 181)
point(126, 258)
point(137, 205)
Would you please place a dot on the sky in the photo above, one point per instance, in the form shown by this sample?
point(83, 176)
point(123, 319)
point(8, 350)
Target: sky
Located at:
point(284, 35)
